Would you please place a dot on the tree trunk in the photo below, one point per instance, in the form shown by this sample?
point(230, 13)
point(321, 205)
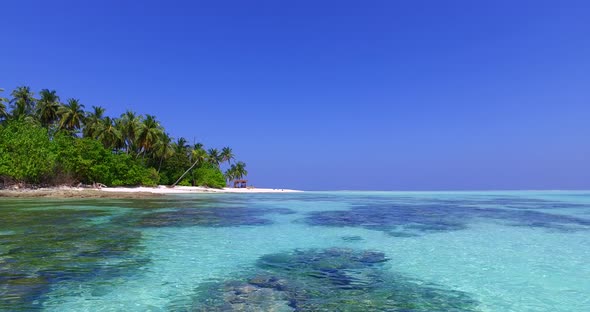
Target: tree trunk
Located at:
point(182, 176)
point(160, 165)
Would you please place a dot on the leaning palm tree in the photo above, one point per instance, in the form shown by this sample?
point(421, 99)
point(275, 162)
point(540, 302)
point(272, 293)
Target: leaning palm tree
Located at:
point(23, 102)
point(71, 115)
point(198, 154)
point(94, 121)
point(47, 107)
point(227, 155)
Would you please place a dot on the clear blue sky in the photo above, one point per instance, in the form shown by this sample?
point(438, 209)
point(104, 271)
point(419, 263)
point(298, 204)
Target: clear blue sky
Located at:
point(384, 95)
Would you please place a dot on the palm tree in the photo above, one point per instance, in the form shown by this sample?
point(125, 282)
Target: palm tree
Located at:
point(130, 123)
point(227, 155)
point(198, 154)
point(236, 172)
point(230, 174)
point(198, 146)
point(181, 146)
point(3, 111)
point(108, 134)
point(47, 107)
point(163, 148)
point(148, 134)
point(214, 156)
point(72, 115)
point(240, 170)
point(23, 103)
point(94, 121)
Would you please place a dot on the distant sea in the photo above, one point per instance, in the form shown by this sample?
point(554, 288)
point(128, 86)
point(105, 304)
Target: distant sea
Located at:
point(312, 251)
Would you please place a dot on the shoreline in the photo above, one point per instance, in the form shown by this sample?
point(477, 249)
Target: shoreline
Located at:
point(129, 192)
point(162, 189)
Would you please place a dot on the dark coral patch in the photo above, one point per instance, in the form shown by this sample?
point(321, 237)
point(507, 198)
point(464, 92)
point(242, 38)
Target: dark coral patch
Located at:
point(39, 248)
point(333, 279)
point(511, 202)
point(415, 219)
point(352, 238)
point(400, 220)
point(211, 217)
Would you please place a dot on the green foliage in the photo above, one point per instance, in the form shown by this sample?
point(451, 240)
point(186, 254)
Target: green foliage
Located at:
point(25, 154)
point(83, 160)
point(28, 155)
point(87, 161)
point(174, 167)
point(127, 171)
point(209, 175)
point(41, 143)
point(236, 171)
point(184, 182)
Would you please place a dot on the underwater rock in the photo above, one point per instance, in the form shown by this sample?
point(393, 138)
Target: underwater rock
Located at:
point(239, 296)
point(407, 220)
point(334, 279)
point(210, 217)
point(45, 247)
point(511, 202)
point(352, 238)
point(269, 282)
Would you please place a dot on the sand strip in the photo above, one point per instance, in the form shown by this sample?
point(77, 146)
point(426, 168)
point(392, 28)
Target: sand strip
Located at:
point(126, 192)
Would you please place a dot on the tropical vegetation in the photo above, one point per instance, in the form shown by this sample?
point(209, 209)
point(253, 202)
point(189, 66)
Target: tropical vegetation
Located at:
point(44, 141)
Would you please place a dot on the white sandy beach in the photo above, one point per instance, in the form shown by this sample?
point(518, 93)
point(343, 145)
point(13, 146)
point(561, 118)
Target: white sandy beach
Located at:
point(127, 192)
point(192, 190)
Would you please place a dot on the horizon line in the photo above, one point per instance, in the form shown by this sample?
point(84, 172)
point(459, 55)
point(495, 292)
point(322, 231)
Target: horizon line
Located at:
point(460, 190)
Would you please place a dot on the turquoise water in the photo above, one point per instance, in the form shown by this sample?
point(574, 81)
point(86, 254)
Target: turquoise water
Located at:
point(317, 251)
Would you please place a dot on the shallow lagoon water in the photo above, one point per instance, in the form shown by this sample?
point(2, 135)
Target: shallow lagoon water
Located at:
point(440, 251)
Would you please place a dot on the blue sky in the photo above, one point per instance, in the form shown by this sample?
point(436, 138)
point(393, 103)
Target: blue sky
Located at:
point(382, 95)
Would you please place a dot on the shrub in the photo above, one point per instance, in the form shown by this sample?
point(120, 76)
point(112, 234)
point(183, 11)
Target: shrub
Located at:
point(126, 171)
point(209, 175)
point(87, 161)
point(25, 152)
point(83, 160)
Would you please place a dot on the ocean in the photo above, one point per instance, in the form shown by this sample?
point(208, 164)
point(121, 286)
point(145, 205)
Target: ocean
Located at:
point(311, 251)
